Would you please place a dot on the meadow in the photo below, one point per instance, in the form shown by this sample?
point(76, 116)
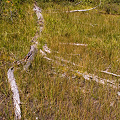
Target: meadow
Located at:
point(53, 90)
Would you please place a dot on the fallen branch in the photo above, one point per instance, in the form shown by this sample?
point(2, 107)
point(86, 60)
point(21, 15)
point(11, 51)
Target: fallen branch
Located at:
point(110, 73)
point(97, 79)
point(30, 56)
point(26, 62)
point(14, 89)
point(83, 10)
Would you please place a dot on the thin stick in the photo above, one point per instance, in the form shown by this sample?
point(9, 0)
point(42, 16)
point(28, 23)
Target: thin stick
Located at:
point(84, 9)
point(110, 73)
point(97, 79)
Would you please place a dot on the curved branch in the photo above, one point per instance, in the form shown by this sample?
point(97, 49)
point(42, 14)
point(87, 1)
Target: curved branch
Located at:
point(26, 61)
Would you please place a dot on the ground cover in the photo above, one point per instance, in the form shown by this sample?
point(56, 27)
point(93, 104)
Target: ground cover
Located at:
point(51, 90)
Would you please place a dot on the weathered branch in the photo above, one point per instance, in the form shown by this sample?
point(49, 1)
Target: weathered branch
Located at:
point(110, 73)
point(26, 62)
point(97, 79)
point(83, 10)
point(14, 89)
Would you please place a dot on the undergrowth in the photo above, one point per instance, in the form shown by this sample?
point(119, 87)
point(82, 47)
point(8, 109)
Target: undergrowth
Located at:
point(49, 90)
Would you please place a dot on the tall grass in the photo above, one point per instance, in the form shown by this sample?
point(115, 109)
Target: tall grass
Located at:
point(54, 91)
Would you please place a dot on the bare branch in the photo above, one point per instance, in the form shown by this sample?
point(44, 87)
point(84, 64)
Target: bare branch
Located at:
point(27, 59)
point(83, 10)
point(14, 89)
point(110, 73)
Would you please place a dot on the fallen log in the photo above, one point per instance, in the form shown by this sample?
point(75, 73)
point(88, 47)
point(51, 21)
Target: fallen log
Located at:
point(26, 62)
point(14, 89)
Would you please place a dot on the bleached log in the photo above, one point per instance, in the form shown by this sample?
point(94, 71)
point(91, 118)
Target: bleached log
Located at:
point(109, 73)
point(14, 89)
point(30, 56)
point(38, 13)
point(27, 59)
point(83, 10)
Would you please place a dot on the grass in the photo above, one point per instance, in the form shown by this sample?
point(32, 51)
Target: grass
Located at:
point(53, 91)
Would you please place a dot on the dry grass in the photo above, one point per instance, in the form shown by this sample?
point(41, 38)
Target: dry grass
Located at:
point(54, 91)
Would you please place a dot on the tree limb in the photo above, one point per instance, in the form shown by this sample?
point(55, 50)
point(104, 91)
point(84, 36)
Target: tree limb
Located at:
point(83, 10)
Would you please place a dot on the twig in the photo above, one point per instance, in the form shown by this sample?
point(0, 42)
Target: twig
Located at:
point(84, 9)
point(110, 73)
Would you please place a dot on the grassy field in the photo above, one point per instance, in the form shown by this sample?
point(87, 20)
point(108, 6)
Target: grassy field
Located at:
point(52, 91)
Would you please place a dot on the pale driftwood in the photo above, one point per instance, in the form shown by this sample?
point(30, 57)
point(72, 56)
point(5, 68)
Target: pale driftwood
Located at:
point(14, 89)
point(30, 56)
point(26, 63)
point(109, 73)
point(76, 44)
point(38, 13)
point(83, 10)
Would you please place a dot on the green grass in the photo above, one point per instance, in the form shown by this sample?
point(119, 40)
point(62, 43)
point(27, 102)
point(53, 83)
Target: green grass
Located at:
point(44, 92)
